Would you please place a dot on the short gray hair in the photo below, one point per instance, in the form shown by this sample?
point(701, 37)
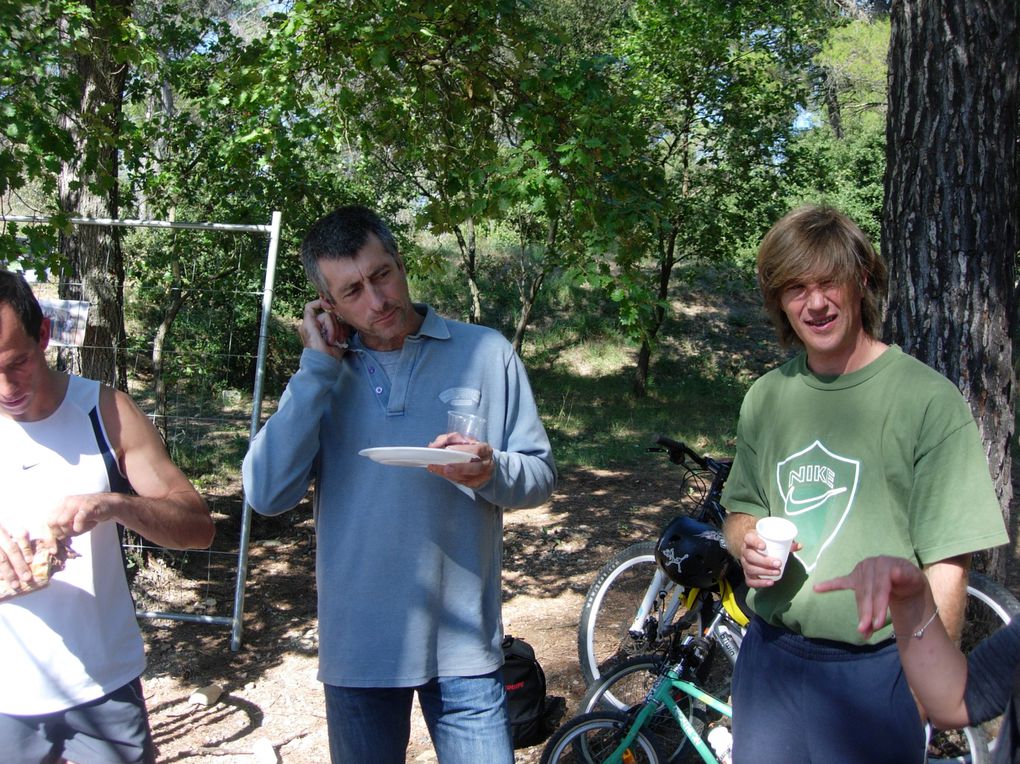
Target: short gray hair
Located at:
point(341, 234)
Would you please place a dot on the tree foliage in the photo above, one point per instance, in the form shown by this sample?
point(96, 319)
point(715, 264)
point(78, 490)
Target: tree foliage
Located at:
point(610, 141)
point(36, 41)
point(615, 149)
point(716, 88)
point(839, 157)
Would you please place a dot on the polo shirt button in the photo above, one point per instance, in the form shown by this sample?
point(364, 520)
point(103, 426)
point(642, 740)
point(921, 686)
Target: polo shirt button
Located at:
point(371, 370)
point(378, 391)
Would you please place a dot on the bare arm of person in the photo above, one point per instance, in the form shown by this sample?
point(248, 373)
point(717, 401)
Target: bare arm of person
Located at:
point(167, 509)
point(746, 545)
point(948, 581)
point(935, 668)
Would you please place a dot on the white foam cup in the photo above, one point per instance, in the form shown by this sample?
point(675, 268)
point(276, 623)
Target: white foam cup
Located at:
point(469, 425)
point(778, 534)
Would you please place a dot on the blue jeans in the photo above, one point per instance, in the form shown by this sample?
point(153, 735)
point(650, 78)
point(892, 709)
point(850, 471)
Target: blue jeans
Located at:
point(466, 716)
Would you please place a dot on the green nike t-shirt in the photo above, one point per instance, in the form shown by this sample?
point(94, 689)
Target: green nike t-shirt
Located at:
point(884, 460)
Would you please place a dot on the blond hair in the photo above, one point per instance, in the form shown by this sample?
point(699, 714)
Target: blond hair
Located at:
point(820, 244)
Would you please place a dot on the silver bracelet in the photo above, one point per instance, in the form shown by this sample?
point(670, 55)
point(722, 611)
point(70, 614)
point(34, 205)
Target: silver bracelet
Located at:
point(920, 632)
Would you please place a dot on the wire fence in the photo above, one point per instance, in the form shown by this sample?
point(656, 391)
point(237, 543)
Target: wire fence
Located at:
point(202, 382)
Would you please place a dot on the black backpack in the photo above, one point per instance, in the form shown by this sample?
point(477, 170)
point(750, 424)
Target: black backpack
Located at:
point(533, 715)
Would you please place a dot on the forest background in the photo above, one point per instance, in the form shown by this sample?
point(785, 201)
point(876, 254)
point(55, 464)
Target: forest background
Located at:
point(584, 175)
point(553, 167)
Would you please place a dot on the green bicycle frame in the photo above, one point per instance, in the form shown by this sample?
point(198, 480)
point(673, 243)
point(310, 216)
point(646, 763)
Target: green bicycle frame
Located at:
point(662, 695)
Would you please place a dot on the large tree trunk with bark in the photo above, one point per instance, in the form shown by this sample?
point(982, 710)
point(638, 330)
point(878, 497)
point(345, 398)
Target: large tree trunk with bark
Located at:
point(88, 188)
point(950, 224)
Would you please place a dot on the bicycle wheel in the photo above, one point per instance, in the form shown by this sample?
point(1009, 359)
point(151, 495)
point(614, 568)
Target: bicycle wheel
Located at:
point(627, 685)
point(604, 636)
point(590, 738)
point(990, 606)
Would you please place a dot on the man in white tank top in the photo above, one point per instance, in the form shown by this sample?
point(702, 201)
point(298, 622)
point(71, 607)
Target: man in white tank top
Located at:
point(76, 459)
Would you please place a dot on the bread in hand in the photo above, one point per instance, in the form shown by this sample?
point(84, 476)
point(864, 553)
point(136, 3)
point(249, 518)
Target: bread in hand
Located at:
point(49, 555)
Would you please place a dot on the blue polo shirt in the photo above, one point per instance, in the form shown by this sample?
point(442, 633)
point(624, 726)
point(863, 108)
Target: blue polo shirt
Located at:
point(408, 564)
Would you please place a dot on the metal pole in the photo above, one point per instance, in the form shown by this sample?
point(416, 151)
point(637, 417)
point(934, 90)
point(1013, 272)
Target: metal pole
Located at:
point(238, 227)
point(273, 229)
point(219, 620)
point(256, 415)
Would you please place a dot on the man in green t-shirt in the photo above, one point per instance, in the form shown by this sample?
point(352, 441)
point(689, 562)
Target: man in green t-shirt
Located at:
point(867, 451)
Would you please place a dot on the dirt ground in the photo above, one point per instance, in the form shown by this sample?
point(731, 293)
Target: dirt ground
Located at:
point(272, 703)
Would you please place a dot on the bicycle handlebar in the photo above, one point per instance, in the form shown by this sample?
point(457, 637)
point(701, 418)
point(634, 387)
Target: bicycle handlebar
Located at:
point(679, 451)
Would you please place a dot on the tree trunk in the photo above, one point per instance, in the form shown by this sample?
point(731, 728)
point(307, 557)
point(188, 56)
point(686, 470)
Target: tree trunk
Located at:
point(469, 256)
point(529, 290)
point(527, 305)
point(88, 188)
point(644, 361)
point(950, 224)
point(832, 106)
point(667, 259)
point(175, 301)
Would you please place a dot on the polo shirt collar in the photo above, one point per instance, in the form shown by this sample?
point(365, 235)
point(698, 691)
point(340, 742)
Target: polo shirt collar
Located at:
point(433, 326)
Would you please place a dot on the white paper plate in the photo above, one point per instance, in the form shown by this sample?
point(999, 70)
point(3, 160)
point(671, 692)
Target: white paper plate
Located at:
point(410, 456)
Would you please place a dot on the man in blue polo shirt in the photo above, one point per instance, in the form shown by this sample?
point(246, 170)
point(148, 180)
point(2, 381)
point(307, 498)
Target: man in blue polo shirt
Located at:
point(408, 560)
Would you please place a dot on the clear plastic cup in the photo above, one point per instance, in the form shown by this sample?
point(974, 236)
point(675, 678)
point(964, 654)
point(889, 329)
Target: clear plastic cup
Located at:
point(466, 424)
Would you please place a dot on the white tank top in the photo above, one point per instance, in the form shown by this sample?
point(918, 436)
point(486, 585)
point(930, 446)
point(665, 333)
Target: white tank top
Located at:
point(77, 639)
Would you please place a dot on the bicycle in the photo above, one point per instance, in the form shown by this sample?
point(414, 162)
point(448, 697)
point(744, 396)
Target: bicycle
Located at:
point(629, 738)
point(696, 590)
point(630, 681)
point(989, 607)
point(610, 630)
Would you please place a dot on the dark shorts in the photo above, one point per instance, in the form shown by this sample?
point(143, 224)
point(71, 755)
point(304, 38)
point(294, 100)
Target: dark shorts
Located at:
point(111, 729)
point(814, 701)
